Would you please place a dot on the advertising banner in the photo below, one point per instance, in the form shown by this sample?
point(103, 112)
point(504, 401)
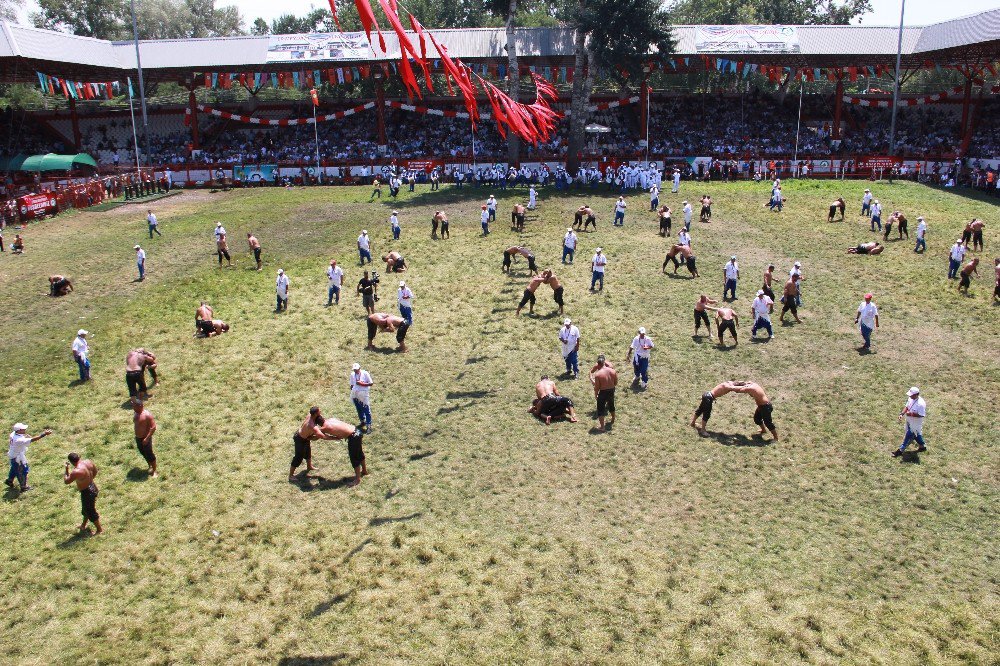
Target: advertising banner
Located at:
point(253, 173)
point(318, 47)
point(878, 161)
point(423, 165)
point(746, 39)
point(36, 205)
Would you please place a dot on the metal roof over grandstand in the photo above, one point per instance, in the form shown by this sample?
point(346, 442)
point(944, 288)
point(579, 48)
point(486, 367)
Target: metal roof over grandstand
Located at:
point(24, 50)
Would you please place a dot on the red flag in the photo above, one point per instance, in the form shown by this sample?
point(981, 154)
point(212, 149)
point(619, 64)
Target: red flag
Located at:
point(368, 21)
point(333, 10)
point(315, 97)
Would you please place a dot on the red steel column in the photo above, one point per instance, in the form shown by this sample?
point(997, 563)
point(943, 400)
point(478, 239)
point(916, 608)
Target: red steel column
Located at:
point(838, 107)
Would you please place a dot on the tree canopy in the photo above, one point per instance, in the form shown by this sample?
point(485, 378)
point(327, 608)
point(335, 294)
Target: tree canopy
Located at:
point(157, 19)
point(769, 12)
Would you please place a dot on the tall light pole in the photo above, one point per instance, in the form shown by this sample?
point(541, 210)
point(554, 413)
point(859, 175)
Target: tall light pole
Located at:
point(142, 85)
point(895, 90)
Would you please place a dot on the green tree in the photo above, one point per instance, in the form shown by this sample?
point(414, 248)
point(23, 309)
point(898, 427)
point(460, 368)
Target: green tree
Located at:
point(9, 9)
point(260, 27)
point(614, 38)
point(768, 12)
point(101, 19)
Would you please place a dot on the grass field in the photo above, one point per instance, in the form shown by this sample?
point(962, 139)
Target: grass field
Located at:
point(483, 535)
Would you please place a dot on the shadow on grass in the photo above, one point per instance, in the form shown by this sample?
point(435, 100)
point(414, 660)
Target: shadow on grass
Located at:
point(378, 522)
point(726, 348)
point(328, 604)
point(910, 457)
point(11, 494)
point(305, 483)
point(727, 439)
point(459, 395)
point(76, 382)
point(761, 341)
point(137, 475)
point(422, 455)
point(675, 276)
point(476, 359)
point(325, 660)
point(75, 539)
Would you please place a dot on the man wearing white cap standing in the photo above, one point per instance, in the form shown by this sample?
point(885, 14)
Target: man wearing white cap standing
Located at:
point(140, 262)
point(364, 247)
point(688, 212)
point(955, 256)
point(638, 352)
point(866, 204)
point(761, 310)
point(219, 230)
point(676, 182)
point(18, 455)
point(404, 296)
point(797, 270)
point(361, 383)
point(569, 245)
point(81, 354)
point(921, 245)
point(335, 277)
point(876, 215)
point(914, 413)
point(569, 336)
point(731, 273)
point(597, 265)
point(281, 289)
point(867, 318)
point(394, 223)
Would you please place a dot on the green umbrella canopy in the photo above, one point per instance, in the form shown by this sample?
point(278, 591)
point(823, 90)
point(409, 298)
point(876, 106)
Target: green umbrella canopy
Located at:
point(12, 163)
point(53, 162)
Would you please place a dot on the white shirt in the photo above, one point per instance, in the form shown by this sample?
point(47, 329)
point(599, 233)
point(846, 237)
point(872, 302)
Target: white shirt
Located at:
point(151, 219)
point(404, 297)
point(18, 448)
point(867, 198)
point(335, 275)
point(867, 313)
point(491, 204)
point(219, 231)
point(958, 252)
point(641, 346)
point(485, 217)
point(363, 242)
point(569, 240)
point(919, 408)
point(140, 255)
point(357, 379)
point(761, 307)
point(876, 210)
point(921, 229)
point(620, 206)
point(677, 178)
point(654, 192)
point(687, 212)
point(732, 270)
point(684, 238)
point(532, 194)
point(80, 347)
point(394, 221)
point(598, 263)
point(281, 284)
point(569, 337)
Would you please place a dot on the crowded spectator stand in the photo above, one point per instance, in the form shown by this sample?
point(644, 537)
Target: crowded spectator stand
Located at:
point(739, 123)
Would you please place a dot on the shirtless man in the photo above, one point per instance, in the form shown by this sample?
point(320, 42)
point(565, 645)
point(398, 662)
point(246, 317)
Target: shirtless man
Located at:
point(996, 286)
point(387, 323)
point(203, 319)
point(557, 288)
point(578, 217)
point(706, 209)
point(672, 258)
point(529, 294)
point(835, 205)
point(701, 315)
point(255, 248)
point(665, 221)
point(441, 217)
point(549, 404)
point(689, 260)
point(517, 218)
point(707, 402)
point(591, 219)
point(17, 247)
point(901, 225)
point(82, 473)
point(866, 248)
point(768, 278)
point(788, 295)
point(604, 378)
point(59, 285)
point(394, 262)
point(222, 249)
point(136, 363)
point(145, 426)
point(337, 429)
point(435, 220)
point(214, 327)
point(966, 275)
point(977, 234)
point(302, 439)
point(726, 320)
point(762, 415)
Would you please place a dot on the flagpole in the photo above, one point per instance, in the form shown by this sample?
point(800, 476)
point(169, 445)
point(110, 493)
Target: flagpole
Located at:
point(142, 86)
point(135, 139)
point(798, 125)
point(895, 89)
point(319, 174)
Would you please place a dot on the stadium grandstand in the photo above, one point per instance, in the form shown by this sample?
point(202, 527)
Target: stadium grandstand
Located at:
point(731, 100)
